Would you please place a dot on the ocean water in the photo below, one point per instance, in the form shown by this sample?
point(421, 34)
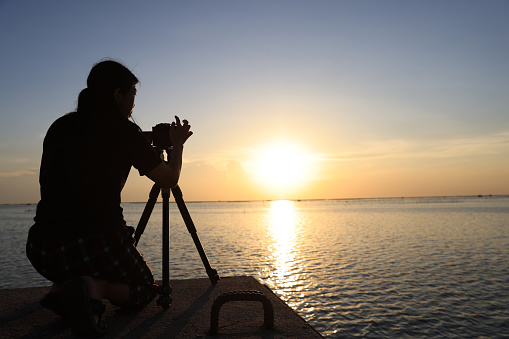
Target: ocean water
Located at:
point(377, 268)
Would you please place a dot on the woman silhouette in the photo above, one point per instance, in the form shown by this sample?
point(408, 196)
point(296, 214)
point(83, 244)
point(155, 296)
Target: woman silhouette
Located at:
point(80, 240)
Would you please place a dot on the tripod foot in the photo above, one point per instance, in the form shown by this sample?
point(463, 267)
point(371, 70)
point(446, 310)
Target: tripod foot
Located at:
point(164, 299)
point(164, 302)
point(213, 276)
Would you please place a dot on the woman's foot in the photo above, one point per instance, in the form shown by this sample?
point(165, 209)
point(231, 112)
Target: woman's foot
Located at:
point(80, 309)
point(53, 302)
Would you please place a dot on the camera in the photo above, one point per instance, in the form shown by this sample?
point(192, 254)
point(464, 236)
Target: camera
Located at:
point(159, 136)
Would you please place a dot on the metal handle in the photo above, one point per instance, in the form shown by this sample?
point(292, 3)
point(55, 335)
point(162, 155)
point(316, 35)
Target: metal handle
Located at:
point(268, 309)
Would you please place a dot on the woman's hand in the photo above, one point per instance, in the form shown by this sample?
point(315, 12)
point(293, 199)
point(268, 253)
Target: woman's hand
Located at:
point(168, 174)
point(179, 133)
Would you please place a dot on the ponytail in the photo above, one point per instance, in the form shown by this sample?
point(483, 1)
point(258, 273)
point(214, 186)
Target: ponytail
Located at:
point(85, 102)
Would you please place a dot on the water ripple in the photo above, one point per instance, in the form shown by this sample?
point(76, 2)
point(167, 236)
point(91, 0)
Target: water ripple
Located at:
point(373, 268)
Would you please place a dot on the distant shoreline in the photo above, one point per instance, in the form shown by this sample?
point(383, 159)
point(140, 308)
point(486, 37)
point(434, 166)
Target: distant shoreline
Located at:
point(298, 200)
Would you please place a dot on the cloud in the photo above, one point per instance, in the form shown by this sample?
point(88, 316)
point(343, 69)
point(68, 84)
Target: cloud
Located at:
point(19, 173)
point(493, 145)
point(8, 156)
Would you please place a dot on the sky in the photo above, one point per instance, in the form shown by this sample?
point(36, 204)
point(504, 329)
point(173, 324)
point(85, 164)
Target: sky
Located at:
point(287, 99)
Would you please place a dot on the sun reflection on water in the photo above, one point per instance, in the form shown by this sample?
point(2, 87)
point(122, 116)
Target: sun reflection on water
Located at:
point(284, 271)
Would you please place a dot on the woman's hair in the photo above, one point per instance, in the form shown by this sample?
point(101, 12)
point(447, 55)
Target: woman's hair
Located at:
point(104, 78)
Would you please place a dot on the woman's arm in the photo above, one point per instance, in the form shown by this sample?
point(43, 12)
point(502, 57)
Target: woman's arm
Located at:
point(168, 174)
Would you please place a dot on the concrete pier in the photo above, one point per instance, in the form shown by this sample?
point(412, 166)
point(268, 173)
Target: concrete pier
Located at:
point(189, 316)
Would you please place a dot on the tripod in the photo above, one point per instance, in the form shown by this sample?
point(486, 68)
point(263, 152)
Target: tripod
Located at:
point(165, 290)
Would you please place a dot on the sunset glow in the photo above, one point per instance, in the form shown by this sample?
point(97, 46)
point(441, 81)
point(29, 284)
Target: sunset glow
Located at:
point(286, 99)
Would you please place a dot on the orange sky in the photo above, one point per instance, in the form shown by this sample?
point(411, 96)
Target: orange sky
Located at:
point(287, 99)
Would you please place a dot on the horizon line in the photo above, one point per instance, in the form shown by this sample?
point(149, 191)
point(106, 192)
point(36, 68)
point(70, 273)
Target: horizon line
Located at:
point(310, 199)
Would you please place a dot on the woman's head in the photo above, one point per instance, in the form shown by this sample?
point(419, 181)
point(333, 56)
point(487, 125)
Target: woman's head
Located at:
point(110, 86)
point(109, 75)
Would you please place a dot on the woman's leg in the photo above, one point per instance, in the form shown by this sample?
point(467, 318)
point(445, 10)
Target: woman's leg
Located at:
point(109, 258)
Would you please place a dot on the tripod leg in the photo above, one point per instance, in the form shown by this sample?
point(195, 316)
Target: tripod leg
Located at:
point(177, 194)
point(149, 207)
point(165, 290)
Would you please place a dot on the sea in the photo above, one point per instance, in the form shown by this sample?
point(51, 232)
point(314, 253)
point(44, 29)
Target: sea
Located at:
point(430, 267)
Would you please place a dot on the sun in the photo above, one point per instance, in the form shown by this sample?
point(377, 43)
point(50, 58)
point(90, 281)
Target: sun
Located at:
point(281, 166)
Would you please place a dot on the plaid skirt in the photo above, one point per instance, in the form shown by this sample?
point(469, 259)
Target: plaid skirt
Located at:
point(110, 257)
